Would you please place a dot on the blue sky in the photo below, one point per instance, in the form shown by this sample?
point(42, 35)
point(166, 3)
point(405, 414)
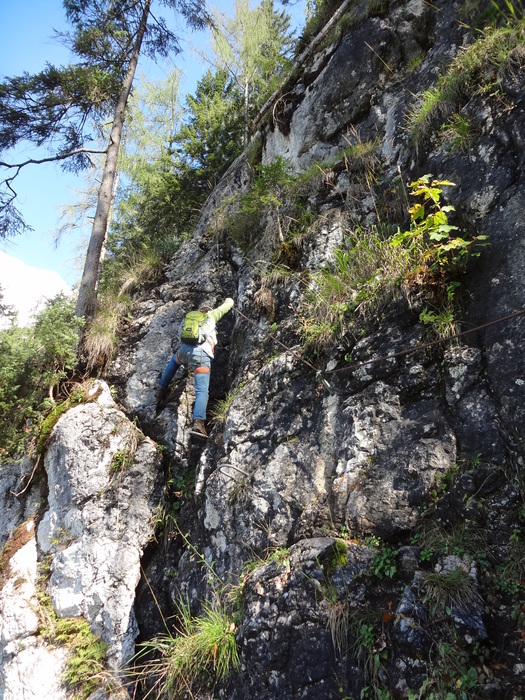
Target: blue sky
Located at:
point(26, 43)
point(26, 28)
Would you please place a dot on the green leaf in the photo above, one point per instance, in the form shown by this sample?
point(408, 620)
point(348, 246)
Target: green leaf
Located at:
point(437, 235)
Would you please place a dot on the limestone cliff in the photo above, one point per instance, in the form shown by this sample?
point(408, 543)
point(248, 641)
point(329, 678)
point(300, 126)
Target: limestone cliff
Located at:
point(352, 480)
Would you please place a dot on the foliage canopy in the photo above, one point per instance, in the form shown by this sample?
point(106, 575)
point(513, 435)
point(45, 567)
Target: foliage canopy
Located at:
point(33, 361)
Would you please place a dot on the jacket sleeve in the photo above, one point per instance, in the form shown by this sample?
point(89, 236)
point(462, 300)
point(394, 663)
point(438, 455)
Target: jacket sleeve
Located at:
point(219, 312)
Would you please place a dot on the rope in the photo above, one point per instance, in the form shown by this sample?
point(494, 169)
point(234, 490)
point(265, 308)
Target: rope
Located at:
point(423, 346)
point(297, 357)
point(401, 353)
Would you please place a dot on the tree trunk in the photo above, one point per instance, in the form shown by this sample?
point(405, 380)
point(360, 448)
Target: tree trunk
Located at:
point(246, 105)
point(87, 292)
point(108, 224)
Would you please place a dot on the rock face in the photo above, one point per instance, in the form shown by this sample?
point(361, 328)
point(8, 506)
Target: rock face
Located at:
point(29, 666)
point(103, 477)
point(374, 492)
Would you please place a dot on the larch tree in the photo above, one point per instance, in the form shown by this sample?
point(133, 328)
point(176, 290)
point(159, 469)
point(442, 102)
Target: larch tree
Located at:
point(59, 107)
point(146, 214)
point(253, 46)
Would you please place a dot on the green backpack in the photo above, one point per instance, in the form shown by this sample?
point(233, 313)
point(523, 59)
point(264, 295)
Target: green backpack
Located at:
point(191, 328)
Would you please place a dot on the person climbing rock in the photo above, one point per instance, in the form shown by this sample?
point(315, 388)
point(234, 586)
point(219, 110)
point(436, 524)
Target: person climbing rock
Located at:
point(197, 338)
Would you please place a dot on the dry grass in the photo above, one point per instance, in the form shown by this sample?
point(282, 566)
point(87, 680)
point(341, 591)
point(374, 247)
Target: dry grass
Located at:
point(100, 339)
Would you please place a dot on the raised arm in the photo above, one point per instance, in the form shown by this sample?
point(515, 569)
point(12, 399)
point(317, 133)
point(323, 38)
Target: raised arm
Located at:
point(219, 312)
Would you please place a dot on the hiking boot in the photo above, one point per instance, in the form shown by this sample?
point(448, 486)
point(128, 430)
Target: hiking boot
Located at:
point(198, 429)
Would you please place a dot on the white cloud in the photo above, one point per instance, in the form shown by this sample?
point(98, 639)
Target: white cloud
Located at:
point(27, 288)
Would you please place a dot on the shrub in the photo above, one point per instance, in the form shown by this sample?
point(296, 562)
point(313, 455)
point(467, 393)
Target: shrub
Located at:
point(428, 243)
point(373, 266)
point(33, 361)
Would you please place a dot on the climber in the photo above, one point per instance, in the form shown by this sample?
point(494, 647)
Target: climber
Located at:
point(197, 338)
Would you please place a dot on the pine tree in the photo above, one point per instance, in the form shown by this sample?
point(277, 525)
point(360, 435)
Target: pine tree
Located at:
point(58, 105)
point(212, 135)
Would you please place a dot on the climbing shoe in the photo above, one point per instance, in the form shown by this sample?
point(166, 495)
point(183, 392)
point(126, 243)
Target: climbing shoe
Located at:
point(198, 429)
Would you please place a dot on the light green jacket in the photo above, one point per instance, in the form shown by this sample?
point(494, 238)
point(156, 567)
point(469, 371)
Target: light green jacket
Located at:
point(208, 328)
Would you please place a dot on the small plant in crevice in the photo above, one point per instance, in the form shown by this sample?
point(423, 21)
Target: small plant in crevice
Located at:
point(350, 285)
point(339, 611)
point(318, 13)
point(300, 221)
point(279, 555)
point(478, 68)
point(445, 591)
point(265, 303)
point(370, 647)
point(339, 625)
point(384, 562)
point(100, 337)
point(415, 61)
point(442, 320)
point(78, 394)
point(459, 133)
point(200, 650)
point(85, 669)
point(377, 8)
point(444, 482)
point(180, 486)
point(264, 198)
point(239, 492)
point(219, 411)
point(393, 204)
point(197, 650)
point(509, 574)
point(452, 673)
point(461, 540)
point(338, 606)
point(359, 160)
point(278, 275)
point(509, 11)
point(124, 457)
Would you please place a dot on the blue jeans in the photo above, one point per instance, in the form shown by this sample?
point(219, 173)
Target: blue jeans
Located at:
point(195, 359)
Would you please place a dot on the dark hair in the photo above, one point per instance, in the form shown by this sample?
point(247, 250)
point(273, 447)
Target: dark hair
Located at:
point(205, 309)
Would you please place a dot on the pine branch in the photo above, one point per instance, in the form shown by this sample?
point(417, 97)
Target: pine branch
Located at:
point(33, 161)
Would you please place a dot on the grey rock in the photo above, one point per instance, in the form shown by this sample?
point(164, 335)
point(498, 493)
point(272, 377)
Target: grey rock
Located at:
point(396, 442)
point(99, 519)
